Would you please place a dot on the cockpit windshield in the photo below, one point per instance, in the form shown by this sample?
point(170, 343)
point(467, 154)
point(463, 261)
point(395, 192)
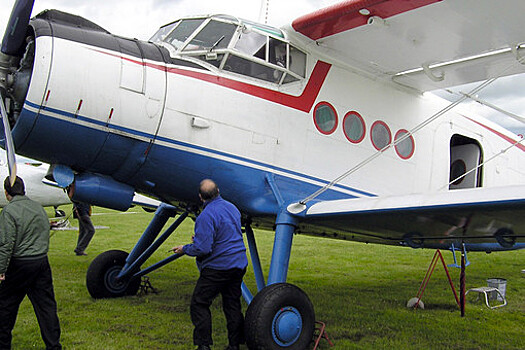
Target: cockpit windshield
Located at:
point(241, 47)
point(161, 34)
point(215, 35)
point(182, 32)
point(252, 43)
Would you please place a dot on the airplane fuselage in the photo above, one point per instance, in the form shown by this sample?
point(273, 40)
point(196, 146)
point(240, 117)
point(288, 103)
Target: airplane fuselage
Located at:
point(161, 120)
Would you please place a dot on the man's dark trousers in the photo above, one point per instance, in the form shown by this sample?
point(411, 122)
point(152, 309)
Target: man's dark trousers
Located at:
point(31, 277)
point(86, 231)
point(210, 283)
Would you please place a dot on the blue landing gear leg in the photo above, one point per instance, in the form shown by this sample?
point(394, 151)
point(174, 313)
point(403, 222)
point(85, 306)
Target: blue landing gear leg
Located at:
point(463, 252)
point(114, 273)
point(281, 314)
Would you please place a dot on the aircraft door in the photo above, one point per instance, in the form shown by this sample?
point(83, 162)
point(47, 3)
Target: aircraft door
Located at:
point(465, 157)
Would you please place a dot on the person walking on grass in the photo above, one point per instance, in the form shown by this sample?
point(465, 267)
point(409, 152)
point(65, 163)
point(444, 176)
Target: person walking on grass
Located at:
point(221, 258)
point(24, 267)
point(86, 230)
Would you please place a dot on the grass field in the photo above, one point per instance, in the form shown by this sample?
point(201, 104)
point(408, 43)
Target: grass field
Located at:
point(358, 290)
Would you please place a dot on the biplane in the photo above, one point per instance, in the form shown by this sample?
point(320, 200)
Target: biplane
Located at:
point(322, 127)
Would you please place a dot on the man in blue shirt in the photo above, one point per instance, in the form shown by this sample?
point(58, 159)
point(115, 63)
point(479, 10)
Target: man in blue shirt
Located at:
point(221, 258)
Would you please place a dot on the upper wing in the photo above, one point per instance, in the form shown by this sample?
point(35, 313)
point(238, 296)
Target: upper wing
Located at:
point(424, 44)
point(493, 217)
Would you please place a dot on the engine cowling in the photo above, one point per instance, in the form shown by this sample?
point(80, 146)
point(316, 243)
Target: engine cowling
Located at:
point(102, 191)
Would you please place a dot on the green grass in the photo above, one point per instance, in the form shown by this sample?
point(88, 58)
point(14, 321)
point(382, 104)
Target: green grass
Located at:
point(358, 290)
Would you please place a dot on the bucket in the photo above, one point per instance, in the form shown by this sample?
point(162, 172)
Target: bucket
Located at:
point(500, 284)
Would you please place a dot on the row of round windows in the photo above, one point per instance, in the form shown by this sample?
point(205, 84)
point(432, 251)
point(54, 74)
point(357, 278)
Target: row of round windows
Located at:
point(354, 128)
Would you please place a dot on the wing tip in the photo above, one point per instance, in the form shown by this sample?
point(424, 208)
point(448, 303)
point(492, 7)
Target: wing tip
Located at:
point(351, 14)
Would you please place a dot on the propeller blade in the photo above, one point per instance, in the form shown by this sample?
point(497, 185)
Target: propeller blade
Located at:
point(8, 141)
point(15, 31)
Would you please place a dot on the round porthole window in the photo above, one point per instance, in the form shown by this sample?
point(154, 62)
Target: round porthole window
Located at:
point(380, 135)
point(405, 148)
point(354, 127)
point(325, 118)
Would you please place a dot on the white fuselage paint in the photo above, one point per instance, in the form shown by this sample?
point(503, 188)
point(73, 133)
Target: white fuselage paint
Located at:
point(152, 99)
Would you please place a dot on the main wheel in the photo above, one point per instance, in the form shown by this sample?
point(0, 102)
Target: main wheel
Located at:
point(280, 316)
point(101, 276)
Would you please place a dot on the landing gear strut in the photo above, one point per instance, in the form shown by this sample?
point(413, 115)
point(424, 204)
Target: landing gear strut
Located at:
point(281, 315)
point(114, 273)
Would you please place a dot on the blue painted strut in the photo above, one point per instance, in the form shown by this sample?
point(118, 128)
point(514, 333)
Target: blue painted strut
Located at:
point(453, 249)
point(146, 246)
point(246, 294)
point(254, 254)
point(282, 247)
point(135, 265)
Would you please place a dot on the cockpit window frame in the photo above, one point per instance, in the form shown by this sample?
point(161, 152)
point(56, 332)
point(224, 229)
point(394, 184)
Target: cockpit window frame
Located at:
point(287, 76)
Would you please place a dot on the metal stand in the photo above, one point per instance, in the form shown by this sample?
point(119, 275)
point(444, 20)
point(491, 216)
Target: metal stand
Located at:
point(486, 291)
point(146, 287)
point(437, 255)
point(321, 333)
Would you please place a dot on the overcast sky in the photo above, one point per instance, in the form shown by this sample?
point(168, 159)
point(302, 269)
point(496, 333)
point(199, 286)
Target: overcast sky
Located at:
point(141, 18)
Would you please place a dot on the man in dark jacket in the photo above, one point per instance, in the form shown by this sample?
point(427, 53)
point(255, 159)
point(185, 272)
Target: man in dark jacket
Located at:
point(24, 268)
point(221, 259)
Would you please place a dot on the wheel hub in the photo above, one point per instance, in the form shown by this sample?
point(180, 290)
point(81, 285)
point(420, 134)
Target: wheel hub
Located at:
point(286, 326)
point(111, 282)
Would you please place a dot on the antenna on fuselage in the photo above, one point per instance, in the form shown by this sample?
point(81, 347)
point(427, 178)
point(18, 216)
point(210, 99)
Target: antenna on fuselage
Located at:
point(263, 13)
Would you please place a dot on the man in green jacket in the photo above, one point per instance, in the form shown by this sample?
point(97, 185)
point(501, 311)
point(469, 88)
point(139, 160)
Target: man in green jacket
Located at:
point(24, 268)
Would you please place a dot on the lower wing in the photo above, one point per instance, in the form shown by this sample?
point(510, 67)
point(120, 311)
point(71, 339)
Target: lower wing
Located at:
point(486, 219)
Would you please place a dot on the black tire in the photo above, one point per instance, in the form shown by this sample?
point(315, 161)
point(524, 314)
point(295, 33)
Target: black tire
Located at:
point(100, 277)
point(271, 304)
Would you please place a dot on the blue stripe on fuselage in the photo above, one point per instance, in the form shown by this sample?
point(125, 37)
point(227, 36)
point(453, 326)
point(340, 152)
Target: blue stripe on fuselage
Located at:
point(170, 159)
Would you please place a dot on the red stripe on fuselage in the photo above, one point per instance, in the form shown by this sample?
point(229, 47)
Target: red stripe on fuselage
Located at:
point(345, 16)
point(303, 102)
point(503, 136)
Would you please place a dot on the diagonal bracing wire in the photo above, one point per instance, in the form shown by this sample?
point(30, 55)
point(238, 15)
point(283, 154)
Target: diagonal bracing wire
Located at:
point(485, 162)
point(411, 132)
